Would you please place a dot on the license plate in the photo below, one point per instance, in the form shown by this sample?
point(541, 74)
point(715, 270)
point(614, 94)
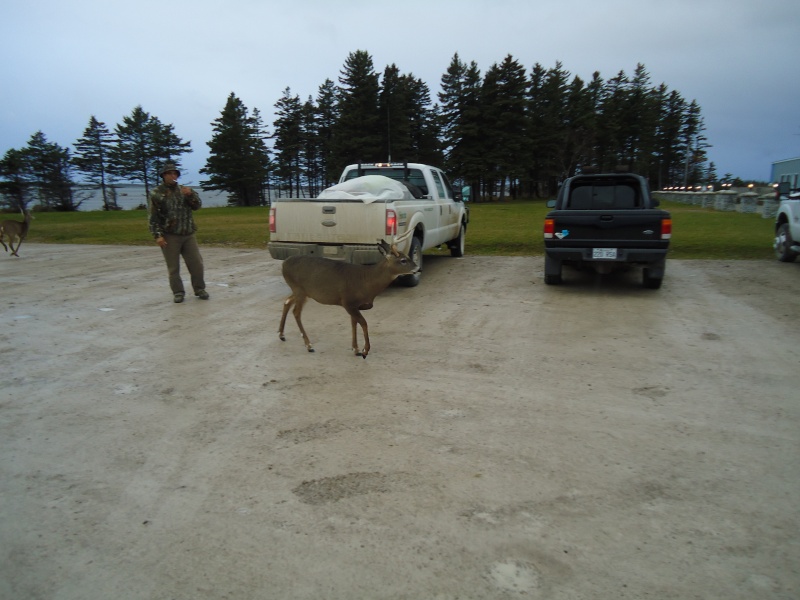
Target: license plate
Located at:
point(604, 253)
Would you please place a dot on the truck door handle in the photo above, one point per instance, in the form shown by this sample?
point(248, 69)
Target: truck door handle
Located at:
point(328, 210)
point(606, 218)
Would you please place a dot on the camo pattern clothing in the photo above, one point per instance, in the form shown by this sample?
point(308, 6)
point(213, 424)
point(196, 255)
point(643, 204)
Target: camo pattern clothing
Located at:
point(170, 211)
point(170, 218)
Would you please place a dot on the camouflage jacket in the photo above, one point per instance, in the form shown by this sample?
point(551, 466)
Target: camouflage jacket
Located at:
point(170, 211)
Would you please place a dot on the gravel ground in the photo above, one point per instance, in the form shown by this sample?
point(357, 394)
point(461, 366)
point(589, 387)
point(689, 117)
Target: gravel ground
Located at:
point(504, 439)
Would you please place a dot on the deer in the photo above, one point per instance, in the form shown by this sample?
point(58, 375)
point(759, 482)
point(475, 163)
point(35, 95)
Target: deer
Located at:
point(15, 230)
point(351, 286)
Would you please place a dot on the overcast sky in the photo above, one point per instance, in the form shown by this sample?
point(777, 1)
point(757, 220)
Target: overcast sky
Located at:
point(64, 61)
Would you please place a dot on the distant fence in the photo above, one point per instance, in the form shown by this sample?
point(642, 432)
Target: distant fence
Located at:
point(744, 201)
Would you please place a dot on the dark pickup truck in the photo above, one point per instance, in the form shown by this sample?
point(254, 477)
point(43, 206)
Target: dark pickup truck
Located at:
point(606, 221)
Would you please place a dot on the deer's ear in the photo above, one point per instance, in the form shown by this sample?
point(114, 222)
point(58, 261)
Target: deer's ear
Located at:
point(384, 247)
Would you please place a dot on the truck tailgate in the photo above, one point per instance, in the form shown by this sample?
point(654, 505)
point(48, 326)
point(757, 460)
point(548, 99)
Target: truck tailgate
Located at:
point(618, 228)
point(325, 221)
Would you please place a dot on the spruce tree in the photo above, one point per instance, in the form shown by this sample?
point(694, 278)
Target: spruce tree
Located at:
point(288, 143)
point(143, 145)
point(506, 131)
point(49, 168)
point(15, 185)
point(238, 161)
point(327, 110)
point(92, 159)
point(357, 135)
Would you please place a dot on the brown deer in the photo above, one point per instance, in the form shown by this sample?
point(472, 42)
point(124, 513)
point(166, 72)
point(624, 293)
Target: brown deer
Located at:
point(353, 287)
point(15, 230)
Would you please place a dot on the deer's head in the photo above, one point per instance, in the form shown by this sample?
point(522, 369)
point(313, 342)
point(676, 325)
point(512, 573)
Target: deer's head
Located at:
point(399, 263)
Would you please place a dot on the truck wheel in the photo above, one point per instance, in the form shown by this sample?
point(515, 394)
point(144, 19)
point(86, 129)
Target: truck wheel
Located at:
point(783, 244)
point(651, 283)
point(552, 271)
point(457, 245)
point(415, 254)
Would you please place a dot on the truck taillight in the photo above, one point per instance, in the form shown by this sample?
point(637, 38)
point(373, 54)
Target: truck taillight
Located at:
point(666, 229)
point(391, 223)
point(272, 220)
point(549, 228)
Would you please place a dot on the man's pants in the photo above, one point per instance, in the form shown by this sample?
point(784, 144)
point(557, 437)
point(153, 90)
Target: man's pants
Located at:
point(185, 246)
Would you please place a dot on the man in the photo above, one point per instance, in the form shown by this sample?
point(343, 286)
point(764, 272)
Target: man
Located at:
point(170, 208)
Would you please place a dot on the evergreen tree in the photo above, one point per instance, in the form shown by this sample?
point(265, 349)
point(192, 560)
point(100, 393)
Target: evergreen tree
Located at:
point(327, 114)
point(460, 121)
point(238, 161)
point(550, 125)
point(15, 184)
point(49, 168)
point(394, 117)
point(311, 152)
point(144, 144)
point(667, 169)
point(695, 141)
point(357, 135)
point(168, 147)
point(262, 165)
point(134, 157)
point(641, 126)
point(579, 123)
point(423, 121)
point(92, 159)
point(505, 122)
point(288, 143)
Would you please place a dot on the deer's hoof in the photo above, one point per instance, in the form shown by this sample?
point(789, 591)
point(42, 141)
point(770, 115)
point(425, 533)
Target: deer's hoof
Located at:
point(311, 350)
point(282, 337)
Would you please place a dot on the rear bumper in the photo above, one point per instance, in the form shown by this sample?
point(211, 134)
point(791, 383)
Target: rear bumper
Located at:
point(351, 253)
point(624, 255)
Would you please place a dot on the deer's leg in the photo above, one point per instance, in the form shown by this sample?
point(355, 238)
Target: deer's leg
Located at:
point(19, 243)
point(299, 302)
point(287, 304)
point(1, 240)
point(356, 318)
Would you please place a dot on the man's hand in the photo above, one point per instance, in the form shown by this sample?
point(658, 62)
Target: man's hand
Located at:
point(161, 242)
point(186, 191)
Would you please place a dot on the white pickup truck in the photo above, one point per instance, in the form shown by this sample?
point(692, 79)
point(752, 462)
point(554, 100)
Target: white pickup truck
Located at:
point(346, 221)
point(787, 224)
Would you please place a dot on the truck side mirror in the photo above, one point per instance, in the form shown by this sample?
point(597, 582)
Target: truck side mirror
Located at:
point(457, 196)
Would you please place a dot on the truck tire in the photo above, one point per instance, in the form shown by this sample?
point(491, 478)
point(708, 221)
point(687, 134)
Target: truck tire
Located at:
point(415, 254)
point(651, 283)
point(653, 274)
point(783, 244)
point(457, 245)
point(552, 271)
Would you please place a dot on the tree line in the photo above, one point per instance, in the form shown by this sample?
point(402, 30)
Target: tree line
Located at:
point(506, 133)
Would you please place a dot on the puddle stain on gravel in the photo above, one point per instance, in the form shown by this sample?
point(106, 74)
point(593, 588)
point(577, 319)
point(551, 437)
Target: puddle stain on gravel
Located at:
point(312, 432)
point(333, 489)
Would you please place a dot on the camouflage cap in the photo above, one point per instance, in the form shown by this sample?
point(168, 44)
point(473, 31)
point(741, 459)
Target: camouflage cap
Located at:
point(167, 168)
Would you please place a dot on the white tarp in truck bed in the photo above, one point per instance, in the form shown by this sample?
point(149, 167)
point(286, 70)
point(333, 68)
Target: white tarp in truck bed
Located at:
point(368, 188)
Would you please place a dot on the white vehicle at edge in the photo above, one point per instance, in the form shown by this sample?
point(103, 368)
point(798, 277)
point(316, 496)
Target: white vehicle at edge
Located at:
point(787, 224)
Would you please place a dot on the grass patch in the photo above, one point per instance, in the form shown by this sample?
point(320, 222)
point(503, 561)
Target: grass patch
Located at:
point(495, 229)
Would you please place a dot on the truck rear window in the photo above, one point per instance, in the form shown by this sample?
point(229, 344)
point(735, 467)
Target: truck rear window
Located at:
point(415, 176)
point(604, 197)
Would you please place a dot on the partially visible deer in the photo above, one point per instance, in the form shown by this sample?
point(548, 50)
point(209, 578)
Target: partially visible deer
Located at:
point(353, 287)
point(15, 230)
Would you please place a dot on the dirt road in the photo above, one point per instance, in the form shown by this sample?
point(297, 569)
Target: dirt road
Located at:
point(504, 439)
